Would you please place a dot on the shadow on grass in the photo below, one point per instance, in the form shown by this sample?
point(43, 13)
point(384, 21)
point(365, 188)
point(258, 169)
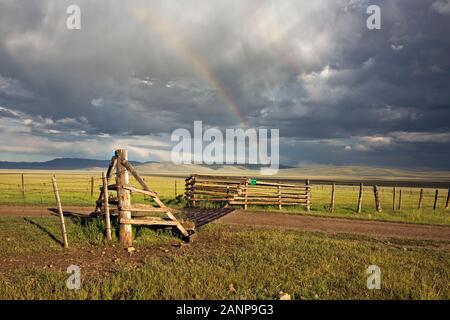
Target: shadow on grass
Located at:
point(45, 230)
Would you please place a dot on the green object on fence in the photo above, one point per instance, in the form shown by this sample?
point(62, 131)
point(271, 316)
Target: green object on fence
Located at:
point(252, 181)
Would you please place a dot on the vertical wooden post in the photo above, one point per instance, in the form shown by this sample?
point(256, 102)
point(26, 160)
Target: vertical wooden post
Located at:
point(279, 197)
point(377, 199)
point(400, 200)
point(246, 195)
point(308, 197)
point(106, 206)
point(447, 202)
point(92, 186)
point(436, 199)
point(360, 197)
point(60, 211)
point(192, 202)
point(23, 186)
point(393, 199)
point(176, 189)
point(123, 195)
point(420, 199)
point(333, 191)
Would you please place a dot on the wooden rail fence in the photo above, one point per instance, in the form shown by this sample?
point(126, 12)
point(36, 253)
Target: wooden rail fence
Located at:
point(245, 191)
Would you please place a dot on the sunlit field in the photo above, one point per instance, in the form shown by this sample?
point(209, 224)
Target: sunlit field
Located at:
point(75, 190)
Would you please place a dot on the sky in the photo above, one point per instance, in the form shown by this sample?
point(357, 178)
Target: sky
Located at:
point(338, 92)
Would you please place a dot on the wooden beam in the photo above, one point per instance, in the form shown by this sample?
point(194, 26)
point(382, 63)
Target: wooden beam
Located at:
point(146, 192)
point(149, 222)
point(111, 167)
point(144, 208)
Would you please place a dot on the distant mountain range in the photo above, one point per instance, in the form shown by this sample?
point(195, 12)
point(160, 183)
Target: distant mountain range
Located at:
point(168, 168)
point(89, 164)
point(60, 164)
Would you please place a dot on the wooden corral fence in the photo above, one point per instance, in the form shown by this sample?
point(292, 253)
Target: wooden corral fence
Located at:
point(133, 214)
point(245, 191)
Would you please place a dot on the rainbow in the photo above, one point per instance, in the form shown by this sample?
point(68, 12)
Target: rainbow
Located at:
point(164, 30)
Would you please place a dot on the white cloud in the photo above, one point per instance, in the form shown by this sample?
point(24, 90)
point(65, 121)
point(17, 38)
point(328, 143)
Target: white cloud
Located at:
point(97, 102)
point(442, 6)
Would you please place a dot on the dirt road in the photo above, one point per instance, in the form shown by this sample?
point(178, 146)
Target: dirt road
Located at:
point(291, 222)
point(339, 225)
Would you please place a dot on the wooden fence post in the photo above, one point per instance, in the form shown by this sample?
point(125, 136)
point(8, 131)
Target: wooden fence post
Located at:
point(393, 199)
point(60, 211)
point(377, 199)
point(92, 186)
point(192, 201)
point(420, 199)
point(360, 198)
point(308, 197)
point(279, 197)
point(122, 179)
point(106, 206)
point(447, 202)
point(436, 199)
point(333, 191)
point(176, 189)
point(23, 186)
point(400, 200)
point(246, 195)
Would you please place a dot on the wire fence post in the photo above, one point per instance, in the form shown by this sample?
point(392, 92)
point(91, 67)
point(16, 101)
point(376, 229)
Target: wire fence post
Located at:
point(436, 199)
point(360, 198)
point(60, 211)
point(333, 192)
point(92, 186)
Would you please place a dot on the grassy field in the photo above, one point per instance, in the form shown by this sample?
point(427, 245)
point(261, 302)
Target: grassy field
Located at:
point(226, 262)
point(75, 189)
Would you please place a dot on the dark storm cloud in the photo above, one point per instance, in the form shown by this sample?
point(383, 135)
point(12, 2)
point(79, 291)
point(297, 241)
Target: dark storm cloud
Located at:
point(337, 91)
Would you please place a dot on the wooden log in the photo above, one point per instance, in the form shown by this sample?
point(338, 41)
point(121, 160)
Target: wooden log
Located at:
point(144, 208)
point(133, 189)
point(133, 171)
point(436, 199)
point(144, 185)
point(377, 199)
point(106, 207)
point(393, 199)
point(122, 179)
point(400, 200)
point(333, 192)
point(447, 202)
point(148, 222)
point(61, 214)
point(360, 198)
point(111, 167)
